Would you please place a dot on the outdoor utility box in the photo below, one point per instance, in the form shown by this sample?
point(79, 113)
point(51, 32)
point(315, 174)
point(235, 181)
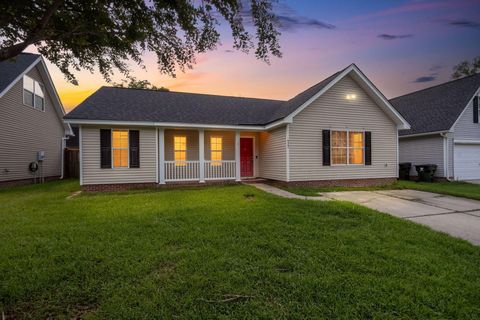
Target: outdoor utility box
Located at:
point(40, 155)
point(404, 170)
point(426, 172)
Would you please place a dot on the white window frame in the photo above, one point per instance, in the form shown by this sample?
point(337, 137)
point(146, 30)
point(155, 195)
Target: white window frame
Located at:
point(180, 163)
point(34, 94)
point(128, 150)
point(348, 148)
point(216, 162)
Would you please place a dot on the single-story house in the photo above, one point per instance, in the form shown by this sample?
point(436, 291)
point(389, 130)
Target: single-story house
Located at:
point(340, 131)
point(32, 130)
point(445, 128)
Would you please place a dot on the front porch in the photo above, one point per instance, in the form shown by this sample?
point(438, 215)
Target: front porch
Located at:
point(206, 155)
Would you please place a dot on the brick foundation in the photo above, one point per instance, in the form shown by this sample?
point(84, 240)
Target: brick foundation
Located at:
point(133, 186)
point(338, 183)
point(24, 182)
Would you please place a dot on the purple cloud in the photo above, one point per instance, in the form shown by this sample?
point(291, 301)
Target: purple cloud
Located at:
point(425, 79)
point(385, 36)
point(465, 24)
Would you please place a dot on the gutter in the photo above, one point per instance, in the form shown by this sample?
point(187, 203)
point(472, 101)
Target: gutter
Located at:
point(269, 126)
point(424, 134)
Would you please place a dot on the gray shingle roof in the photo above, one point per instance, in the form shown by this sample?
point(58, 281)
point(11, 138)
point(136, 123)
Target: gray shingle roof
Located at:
point(436, 108)
point(123, 104)
point(11, 69)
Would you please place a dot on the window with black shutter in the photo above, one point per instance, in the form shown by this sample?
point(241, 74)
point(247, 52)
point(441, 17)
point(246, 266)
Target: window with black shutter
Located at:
point(105, 149)
point(134, 139)
point(368, 148)
point(326, 147)
point(475, 109)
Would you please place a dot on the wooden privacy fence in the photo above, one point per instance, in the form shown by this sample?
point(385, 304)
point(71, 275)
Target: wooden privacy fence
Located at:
point(72, 163)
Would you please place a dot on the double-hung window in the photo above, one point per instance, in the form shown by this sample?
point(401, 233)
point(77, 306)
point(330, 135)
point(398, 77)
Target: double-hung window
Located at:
point(33, 93)
point(180, 150)
point(347, 147)
point(216, 150)
point(120, 148)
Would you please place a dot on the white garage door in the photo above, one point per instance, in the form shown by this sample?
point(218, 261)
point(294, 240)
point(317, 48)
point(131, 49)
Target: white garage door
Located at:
point(467, 162)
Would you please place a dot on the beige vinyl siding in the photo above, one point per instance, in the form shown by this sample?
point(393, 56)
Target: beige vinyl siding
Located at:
point(273, 154)
point(332, 111)
point(465, 129)
point(423, 150)
point(228, 144)
point(192, 144)
point(93, 174)
point(24, 131)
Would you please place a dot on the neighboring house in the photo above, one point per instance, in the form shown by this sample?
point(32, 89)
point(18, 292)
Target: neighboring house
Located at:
point(340, 131)
point(31, 121)
point(445, 128)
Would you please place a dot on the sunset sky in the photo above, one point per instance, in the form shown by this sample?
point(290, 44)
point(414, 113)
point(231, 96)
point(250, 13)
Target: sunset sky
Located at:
point(401, 46)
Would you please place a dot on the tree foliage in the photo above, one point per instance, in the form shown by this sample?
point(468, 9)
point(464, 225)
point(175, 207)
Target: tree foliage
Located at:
point(466, 68)
point(138, 84)
point(85, 34)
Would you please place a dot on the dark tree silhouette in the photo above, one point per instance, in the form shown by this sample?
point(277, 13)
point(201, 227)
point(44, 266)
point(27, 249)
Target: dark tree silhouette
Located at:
point(84, 34)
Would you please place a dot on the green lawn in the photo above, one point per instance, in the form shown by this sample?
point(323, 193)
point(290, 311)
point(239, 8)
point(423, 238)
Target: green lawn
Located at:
point(223, 252)
point(459, 189)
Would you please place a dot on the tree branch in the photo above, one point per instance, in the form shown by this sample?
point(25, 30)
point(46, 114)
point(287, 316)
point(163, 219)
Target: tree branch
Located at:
point(35, 36)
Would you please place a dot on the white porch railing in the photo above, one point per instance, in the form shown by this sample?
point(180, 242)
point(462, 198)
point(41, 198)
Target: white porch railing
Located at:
point(220, 170)
point(182, 170)
point(190, 170)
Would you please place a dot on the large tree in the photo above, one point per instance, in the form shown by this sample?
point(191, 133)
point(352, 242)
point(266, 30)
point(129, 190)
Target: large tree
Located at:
point(84, 34)
point(466, 68)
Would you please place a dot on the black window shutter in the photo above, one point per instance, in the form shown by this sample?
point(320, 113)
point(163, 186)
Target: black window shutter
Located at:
point(368, 148)
point(134, 141)
point(105, 148)
point(475, 109)
point(326, 147)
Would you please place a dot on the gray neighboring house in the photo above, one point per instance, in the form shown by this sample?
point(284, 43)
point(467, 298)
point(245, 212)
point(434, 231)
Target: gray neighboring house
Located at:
point(341, 131)
point(31, 121)
point(445, 128)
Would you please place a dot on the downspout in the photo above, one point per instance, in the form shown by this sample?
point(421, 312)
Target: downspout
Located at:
point(64, 139)
point(446, 156)
point(287, 153)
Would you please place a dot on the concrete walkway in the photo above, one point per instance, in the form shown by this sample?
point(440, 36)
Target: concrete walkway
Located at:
point(283, 193)
point(456, 216)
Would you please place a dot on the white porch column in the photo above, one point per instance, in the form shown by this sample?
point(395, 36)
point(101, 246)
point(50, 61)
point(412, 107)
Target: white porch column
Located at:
point(237, 156)
point(201, 154)
point(161, 155)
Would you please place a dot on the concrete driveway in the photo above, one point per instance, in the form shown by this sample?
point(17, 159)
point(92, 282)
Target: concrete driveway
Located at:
point(458, 217)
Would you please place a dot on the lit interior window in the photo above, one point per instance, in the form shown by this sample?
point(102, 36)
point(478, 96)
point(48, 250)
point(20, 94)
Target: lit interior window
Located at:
point(339, 147)
point(120, 148)
point(347, 147)
point(356, 147)
point(216, 148)
point(180, 150)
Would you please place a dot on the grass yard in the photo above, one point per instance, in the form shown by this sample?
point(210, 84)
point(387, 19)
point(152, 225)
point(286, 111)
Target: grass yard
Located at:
point(223, 252)
point(455, 188)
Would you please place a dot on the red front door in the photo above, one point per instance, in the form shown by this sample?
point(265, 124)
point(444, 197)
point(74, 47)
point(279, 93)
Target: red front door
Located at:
point(246, 157)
